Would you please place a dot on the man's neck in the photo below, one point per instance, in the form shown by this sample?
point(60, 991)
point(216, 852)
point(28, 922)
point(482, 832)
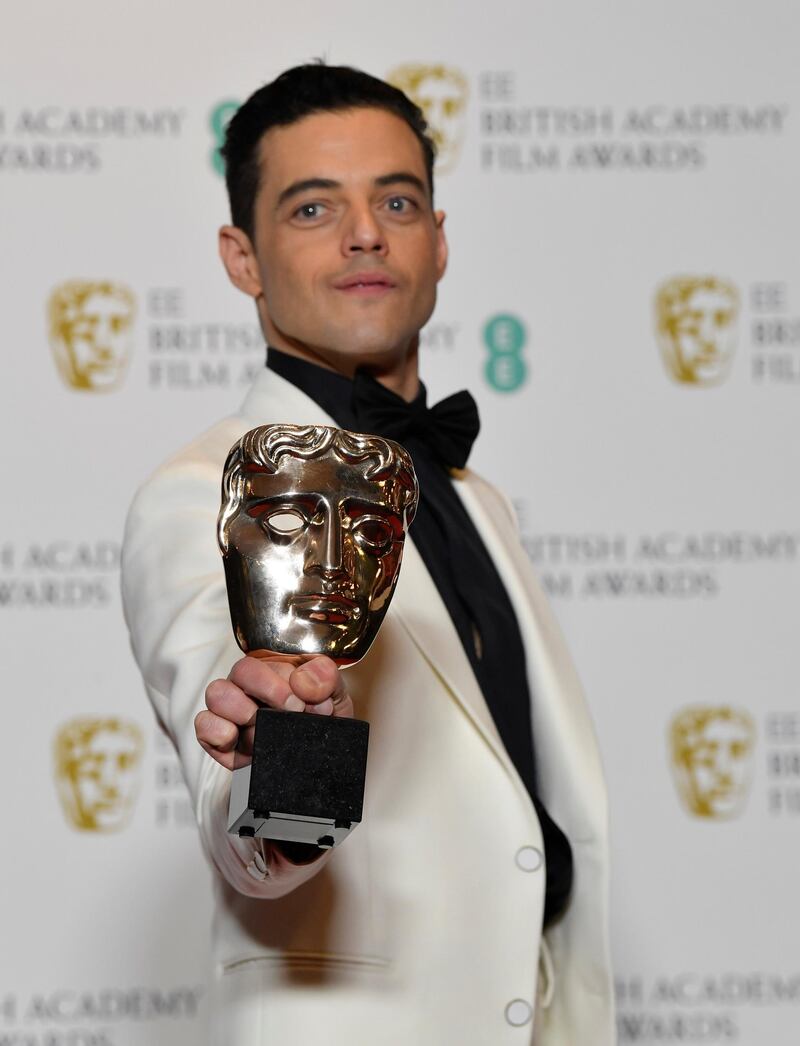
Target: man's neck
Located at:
point(401, 377)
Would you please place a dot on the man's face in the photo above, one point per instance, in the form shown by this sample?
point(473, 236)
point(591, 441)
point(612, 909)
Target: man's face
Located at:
point(312, 559)
point(96, 341)
point(348, 248)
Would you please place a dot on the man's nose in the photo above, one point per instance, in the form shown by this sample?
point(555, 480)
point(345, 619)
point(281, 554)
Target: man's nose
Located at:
point(363, 233)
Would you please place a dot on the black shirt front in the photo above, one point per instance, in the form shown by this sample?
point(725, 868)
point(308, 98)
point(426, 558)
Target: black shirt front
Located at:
point(474, 595)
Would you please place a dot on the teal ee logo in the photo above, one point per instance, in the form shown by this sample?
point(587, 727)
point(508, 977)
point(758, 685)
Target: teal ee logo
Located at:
point(505, 337)
point(218, 122)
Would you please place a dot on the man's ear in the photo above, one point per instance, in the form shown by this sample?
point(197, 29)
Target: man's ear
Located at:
point(239, 260)
point(441, 243)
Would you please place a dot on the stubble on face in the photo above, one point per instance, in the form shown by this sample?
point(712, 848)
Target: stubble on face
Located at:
point(348, 247)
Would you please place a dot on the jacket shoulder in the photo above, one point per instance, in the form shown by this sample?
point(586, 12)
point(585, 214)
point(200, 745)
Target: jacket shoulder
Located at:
point(209, 449)
point(190, 473)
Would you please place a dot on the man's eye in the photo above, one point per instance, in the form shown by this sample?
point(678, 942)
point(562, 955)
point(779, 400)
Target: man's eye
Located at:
point(373, 534)
point(308, 211)
point(400, 205)
point(284, 522)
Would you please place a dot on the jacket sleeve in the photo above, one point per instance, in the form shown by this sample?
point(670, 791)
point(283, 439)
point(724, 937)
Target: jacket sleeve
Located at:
point(176, 608)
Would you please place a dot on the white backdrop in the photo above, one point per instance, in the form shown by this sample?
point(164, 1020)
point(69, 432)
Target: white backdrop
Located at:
point(646, 429)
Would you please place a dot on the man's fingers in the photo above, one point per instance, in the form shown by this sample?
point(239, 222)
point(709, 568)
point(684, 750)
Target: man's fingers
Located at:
point(316, 680)
point(266, 684)
point(228, 701)
point(232, 704)
point(225, 727)
point(320, 684)
point(215, 731)
point(323, 708)
point(217, 736)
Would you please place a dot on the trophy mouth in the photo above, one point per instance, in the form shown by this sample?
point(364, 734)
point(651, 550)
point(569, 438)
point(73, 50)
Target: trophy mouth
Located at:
point(327, 608)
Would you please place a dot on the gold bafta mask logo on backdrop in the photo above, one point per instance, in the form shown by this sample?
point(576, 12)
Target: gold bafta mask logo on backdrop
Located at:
point(711, 750)
point(97, 772)
point(441, 92)
point(696, 328)
point(91, 325)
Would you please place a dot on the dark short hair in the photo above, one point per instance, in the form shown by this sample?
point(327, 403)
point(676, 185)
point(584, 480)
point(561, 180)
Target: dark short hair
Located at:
point(296, 93)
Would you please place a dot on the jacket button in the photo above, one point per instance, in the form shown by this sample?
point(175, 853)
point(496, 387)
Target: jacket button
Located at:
point(518, 1012)
point(528, 858)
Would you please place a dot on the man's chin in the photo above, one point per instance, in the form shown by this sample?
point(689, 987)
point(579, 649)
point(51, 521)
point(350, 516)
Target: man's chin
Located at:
point(375, 343)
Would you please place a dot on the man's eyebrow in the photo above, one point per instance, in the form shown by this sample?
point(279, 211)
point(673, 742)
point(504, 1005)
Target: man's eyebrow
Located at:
point(304, 185)
point(400, 178)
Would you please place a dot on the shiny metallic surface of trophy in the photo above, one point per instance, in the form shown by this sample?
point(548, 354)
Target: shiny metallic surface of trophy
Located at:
point(311, 529)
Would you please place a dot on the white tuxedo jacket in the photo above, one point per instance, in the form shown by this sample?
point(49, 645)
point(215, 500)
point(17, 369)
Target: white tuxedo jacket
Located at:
point(424, 927)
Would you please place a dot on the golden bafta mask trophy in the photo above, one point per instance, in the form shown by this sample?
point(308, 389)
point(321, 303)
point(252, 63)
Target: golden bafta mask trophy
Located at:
point(97, 771)
point(696, 328)
point(441, 92)
point(711, 750)
point(91, 326)
point(311, 531)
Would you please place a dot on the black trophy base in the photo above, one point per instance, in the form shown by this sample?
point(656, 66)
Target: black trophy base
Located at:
point(305, 783)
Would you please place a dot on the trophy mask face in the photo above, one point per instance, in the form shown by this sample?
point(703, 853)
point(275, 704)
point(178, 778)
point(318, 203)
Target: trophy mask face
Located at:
point(697, 328)
point(97, 762)
point(312, 528)
point(711, 749)
point(90, 332)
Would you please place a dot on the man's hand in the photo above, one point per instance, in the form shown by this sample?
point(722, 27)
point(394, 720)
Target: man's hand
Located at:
point(316, 686)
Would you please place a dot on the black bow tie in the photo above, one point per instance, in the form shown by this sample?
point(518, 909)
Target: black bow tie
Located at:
point(448, 430)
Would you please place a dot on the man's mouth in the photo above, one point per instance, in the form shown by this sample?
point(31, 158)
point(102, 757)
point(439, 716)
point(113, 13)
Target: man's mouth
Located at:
point(365, 283)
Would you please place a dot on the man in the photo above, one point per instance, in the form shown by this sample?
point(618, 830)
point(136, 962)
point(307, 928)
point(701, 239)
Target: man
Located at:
point(425, 926)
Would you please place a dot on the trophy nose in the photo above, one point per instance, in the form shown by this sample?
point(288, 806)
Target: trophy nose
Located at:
point(326, 549)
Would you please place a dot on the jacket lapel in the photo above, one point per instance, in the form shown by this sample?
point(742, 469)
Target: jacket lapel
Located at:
point(567, 754)
point(422, 613)
point(272, 400)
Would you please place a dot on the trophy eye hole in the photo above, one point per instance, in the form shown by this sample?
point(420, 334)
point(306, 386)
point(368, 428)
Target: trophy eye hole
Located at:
point(285, 522)
point(373, 533)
